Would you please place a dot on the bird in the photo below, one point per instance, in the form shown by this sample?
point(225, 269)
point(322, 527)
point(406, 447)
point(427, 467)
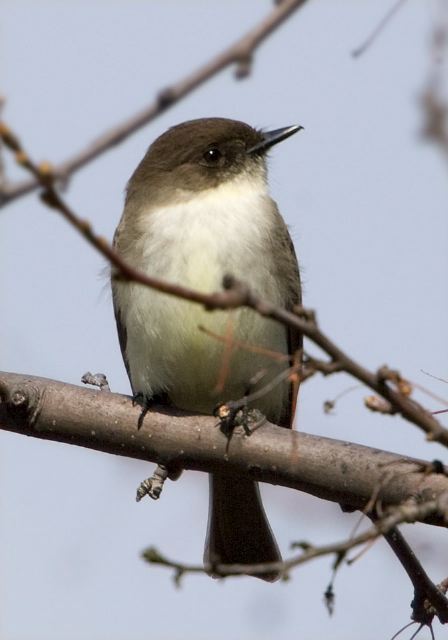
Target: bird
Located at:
point(198, 209)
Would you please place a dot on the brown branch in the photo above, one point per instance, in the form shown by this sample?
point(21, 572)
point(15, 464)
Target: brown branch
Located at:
point(308, 552)
point(425, 591)
point(312, 365)
point(429, 392)
point(435, 107)
point(2, 164)
point(408, 491)
point(247, 346)
point(406, 513)
point(108, 422)
point(429, 599)
point(240, 54)
point(329, 405)
point(361, 49)
point(386, 382)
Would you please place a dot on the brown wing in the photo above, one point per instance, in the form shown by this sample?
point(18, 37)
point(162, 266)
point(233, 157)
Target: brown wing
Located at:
point(121, 327)
point(122, 334)
point(293, 297)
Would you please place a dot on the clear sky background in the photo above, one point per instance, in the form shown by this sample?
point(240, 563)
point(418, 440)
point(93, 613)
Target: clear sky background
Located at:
point(366, 200)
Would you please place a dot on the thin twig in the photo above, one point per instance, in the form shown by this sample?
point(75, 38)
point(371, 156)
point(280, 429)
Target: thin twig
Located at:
point(226, 358)
point(406, 626)
point(430, 393)
point(247, 346)
point(435, 377)
point(329, 405)
point(429, 599)
point(397, 515)
point(2, 164)
point(435, 107)
point(424, 588)
point(378, 29)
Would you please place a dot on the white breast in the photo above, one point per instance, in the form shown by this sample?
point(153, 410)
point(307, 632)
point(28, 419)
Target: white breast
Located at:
point(195, 243)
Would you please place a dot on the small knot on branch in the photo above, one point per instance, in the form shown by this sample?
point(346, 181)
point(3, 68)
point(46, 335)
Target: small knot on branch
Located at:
point(242, 295)
point(307, 314)
point(402, 385)
point(22, 158)
point(235, 294)
point(48, 198)
point(379, 405)
point(313, 365)
point(25, 400)
point(46, 173)
point(165, 98)
point(243, 67)
point(19, 398)
point(9, 139)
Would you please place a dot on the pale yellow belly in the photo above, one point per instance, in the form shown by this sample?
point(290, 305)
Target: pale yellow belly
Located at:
point(166, 350)
point(199, 370)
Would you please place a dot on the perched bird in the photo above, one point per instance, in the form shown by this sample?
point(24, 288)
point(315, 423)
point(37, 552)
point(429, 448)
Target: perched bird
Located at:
point(197, 209)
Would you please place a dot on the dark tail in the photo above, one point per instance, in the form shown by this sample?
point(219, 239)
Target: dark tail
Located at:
point(238, 530)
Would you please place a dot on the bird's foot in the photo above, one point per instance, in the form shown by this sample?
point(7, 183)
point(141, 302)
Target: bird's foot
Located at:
point(153, 486)
point(146, 402)
point(233, 414)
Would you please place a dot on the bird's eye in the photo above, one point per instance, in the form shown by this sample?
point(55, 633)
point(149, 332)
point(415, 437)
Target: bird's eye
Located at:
point(212, 156)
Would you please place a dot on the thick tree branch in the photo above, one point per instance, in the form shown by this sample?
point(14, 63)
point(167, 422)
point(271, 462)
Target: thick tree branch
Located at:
point(330, 469)
point(240, 54)
point(357, 477)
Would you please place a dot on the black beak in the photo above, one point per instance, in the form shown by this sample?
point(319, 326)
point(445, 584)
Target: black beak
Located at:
point(273, 137)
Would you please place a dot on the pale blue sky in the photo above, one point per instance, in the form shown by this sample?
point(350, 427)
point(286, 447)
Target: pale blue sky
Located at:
point(366, 200)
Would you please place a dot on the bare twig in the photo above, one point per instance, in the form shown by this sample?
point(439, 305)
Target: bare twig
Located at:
point(239, 54)
point(247, 346)
point(329, 405)
point(429, 599)
point(435, 378)
point(403, 628)
point(425, 591)
point(430, 393)
point(405, 513)
point(2, 164)
point(226, 357)
point(435, 108)
point(312, 365)
point(359, 51)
